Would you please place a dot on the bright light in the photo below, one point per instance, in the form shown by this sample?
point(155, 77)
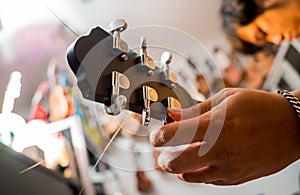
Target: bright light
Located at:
point(17, 13)
point(10, 122)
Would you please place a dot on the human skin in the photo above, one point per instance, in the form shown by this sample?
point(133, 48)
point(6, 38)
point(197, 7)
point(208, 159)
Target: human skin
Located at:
point(276, 24)
point(259, 136)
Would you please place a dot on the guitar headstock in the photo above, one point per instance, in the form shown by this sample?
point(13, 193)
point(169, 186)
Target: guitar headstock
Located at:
point(108, 72)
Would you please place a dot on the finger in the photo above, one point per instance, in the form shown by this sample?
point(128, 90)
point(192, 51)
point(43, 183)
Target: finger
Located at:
point(183, 114)
point(206, 174)
point(184, 160)
point(201, 108)
point(180, 133)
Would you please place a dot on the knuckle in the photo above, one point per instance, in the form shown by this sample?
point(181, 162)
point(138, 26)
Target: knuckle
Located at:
point(230, 123)
point(229, 155)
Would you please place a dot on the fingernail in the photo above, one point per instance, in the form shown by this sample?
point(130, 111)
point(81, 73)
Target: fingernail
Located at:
point(179, 176)
point(163, 159)
point(152, 136)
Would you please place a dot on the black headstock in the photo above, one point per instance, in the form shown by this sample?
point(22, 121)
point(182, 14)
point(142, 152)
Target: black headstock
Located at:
point(110, 73)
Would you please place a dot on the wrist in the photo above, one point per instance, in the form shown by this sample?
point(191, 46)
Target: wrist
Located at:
point(296, 93)
point(292, 121)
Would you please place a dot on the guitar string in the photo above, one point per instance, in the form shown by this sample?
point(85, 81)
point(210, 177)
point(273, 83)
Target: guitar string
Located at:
point(59, 19)
point(74, 33)
point(31, 167)
point(112, 138)
point(104, 150)
point(121, 125)
point(114, 135)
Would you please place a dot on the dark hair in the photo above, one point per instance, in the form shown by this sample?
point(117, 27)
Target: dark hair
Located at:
point(236, 13)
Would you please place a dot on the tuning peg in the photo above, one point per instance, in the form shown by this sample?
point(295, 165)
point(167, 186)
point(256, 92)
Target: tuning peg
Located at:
point(146, 61)
point(118, 102)
point(170, 102)
point(115, 28)
point(173, 103)
point(166, 59)
point(149, 95)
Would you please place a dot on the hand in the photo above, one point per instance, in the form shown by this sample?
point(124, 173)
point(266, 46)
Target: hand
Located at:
point(235, 136)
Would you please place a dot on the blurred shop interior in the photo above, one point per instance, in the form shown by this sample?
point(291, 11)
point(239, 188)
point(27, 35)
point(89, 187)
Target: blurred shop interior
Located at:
point(52, 138)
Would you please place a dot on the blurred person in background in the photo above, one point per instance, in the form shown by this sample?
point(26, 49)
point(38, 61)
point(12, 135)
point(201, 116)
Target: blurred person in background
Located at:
point(256, 25)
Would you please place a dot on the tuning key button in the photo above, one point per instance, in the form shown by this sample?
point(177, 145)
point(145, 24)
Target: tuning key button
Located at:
point(149, 95)
point(172, 77)
point(166, 59)
point(146, 61)
point(115, 28)
point(173, 103)
point(118, 102)
point(170, 102)
point(121, 79)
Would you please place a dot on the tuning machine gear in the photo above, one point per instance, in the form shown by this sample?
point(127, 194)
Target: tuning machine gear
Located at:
point(115, 28)
point(149, 95)
point(146, 61)
point(166, 59)
point(118, 102)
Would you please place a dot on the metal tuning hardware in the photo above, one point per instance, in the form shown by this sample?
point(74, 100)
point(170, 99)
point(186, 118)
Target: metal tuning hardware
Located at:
point(149, 95)
point(165, 60)
point(170, 102)
point(173, 103)
point(146, 61)
point(115, 28)
point(118, 102)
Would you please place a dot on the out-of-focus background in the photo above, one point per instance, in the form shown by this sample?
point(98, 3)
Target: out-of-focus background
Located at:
point(31, 32)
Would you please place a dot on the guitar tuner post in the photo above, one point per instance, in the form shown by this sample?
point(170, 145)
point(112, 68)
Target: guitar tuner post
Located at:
point(166, 59)
point(170, 102)
point(146, 61)
point(118, 102)
point(115, 28)
point(149, 95)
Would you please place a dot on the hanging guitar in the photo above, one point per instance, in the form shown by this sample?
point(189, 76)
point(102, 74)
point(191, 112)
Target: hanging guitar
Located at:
point(108, 72)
